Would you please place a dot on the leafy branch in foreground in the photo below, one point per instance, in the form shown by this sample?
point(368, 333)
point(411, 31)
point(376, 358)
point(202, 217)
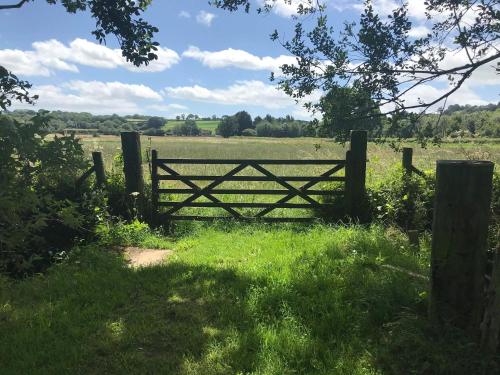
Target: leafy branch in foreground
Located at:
point(11, 87)
point(382, 56)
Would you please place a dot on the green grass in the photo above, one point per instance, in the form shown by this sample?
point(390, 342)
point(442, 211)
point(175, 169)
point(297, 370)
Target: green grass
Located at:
point(379, 156)
point(240, 300)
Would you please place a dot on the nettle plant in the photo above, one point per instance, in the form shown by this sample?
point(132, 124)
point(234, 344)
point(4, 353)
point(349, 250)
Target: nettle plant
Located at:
point(41, 209)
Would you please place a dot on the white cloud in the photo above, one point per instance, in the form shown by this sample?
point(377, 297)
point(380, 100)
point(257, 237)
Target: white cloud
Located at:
point(168, 107)
point(237, 58)
point(416, 8)
point(104, 90)
point(419, 31)
point(251, 93)
point(95, 97)
point(428, 93)
point(484, 75)
point(245, 94)
point(42, 61)
point(51, 55)
point(166, 59)
point(184, 14)
point(205, 18)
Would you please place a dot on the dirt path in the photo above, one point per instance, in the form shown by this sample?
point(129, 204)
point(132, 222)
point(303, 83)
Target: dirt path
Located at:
point(138, 257)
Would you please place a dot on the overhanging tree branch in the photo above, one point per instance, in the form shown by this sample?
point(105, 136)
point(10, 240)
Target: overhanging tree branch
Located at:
point(13, 6)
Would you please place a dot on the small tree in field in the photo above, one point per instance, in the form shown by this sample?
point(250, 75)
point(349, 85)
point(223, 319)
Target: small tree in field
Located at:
point(227, 127)
point(156, 122)
point(243, 121)
point(187, 128)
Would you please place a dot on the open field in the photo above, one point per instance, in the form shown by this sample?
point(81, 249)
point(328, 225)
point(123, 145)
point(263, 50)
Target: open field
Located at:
point(380, 156)
point(243, 300)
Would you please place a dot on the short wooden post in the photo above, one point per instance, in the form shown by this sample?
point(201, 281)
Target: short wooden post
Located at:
point(407, 159)
point(132, 162)
point(155, 186)
point(100, 174)
point(407, 171)
point(356, 175)
point(459, 241)
point(413, 239)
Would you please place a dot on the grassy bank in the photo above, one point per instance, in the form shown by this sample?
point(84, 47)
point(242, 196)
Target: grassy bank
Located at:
point(241, 300)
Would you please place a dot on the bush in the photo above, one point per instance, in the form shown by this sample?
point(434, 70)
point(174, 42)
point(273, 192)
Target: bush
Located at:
point(227, 127)
point(281, 130)
point(42, 210)
point(402, 200)
point(187, 128)
point(249, 133)
point(156, 122)
point(154, 132)
point(264, 129)
point(398, 200)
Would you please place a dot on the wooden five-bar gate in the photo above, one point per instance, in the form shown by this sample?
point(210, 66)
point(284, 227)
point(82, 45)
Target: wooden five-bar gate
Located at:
point(353, 182)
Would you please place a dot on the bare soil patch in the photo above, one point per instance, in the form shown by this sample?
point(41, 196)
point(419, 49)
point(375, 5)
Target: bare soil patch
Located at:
point(138, 257)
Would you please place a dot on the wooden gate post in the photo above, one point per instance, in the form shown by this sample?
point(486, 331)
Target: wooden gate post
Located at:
point(459, 240)
point(132, 162)
point(100, 174)
point(356, 175)
point(155, 184)
point(407, 159)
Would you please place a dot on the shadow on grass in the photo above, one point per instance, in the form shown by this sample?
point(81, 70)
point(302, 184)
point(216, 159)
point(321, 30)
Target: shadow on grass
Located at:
point(94, 316)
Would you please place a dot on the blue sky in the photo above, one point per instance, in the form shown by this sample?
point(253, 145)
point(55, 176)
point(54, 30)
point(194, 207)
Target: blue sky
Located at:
point(211, 62)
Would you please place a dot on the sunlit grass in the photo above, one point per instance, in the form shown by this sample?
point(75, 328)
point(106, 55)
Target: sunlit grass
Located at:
point(236, 300)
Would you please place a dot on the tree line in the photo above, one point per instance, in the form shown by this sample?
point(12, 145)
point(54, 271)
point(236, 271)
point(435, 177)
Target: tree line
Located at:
point(457, 121)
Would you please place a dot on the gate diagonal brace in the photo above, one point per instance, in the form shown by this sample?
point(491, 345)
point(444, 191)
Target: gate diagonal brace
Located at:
point(285, 184)
point(301, 190)
point(206, 190)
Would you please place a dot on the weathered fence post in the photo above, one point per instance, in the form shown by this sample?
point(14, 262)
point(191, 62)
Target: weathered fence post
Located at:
point(100, 174)
point(155, 186)
point(459, 240)
point(132, 162)
point(407, 159)
point(356, 175)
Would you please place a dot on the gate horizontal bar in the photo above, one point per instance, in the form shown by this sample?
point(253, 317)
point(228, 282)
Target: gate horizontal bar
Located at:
point(252, 161)
point(249, 192)
point(249, 178)
point(245, 205)
point(262, 219)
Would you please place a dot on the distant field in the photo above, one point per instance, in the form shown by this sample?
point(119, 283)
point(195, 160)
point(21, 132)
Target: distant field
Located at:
point(380, 157)
point(202, 124)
